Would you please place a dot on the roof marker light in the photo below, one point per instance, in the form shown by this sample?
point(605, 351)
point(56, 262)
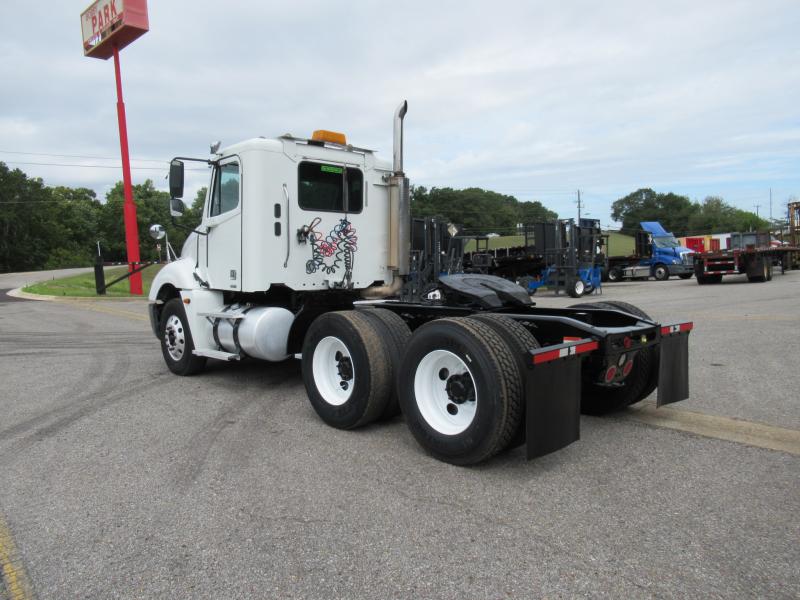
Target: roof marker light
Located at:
point(333, 137)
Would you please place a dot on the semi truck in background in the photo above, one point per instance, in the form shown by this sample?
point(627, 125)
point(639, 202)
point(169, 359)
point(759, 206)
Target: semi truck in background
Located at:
point(657, 254)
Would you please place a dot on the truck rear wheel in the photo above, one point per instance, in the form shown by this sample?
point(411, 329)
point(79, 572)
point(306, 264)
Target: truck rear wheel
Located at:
point(520, 340)
point(762, 272)
point(640, 383)
point(463, 397)
point(346, 369)
point(176, 340)
point(685, 275)
point(394, 333)
point(615, 274)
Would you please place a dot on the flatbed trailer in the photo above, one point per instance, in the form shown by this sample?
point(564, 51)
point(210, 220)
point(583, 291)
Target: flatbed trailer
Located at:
point(750, 255)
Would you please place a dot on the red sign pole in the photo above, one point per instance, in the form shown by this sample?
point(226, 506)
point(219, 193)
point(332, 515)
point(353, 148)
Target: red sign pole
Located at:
point(129, 208)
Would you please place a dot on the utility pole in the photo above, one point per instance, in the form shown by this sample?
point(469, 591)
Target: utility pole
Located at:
point(770, 206)
point(757, 206)
point(579, 207)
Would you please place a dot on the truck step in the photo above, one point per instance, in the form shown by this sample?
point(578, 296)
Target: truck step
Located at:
point(218, 354)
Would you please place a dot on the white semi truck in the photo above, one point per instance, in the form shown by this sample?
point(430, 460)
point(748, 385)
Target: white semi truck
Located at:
point(305, 251)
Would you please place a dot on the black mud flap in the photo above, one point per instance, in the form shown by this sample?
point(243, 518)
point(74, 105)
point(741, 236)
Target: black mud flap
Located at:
point(553, 396)
point(673, 366)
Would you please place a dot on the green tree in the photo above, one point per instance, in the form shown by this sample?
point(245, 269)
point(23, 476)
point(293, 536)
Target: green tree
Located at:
point(152, 206)
point(76, 214)
point(27, 228)
point(671, 210)
point(478, 210)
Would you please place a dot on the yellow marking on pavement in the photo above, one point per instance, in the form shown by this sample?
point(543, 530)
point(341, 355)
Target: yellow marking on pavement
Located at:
point(12, 573)
point(749, 433)
point(108, 310)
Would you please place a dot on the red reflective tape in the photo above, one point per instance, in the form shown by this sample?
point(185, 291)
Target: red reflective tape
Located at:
point(678, 328)
point(546, 357)
point(587, 347)
point(569, 338)
point(564, 352)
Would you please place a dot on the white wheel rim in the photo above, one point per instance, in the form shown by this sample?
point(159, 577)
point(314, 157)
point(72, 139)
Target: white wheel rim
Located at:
point(175, 338)
point(330, 360)
point(430, 390)
point(579, 287)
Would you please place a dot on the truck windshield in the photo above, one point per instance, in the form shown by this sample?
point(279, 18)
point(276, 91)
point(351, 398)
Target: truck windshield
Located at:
point(667, 241)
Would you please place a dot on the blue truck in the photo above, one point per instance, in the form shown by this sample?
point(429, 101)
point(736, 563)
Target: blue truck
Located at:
point(657, 254)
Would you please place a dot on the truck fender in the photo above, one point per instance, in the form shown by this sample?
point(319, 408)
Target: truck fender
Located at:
point(177, 274)
point(167, 284)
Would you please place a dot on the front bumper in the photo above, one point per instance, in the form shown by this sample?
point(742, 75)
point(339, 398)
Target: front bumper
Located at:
point(680, 269)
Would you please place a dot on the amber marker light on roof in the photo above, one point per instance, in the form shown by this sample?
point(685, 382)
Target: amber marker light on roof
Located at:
point(334, 137)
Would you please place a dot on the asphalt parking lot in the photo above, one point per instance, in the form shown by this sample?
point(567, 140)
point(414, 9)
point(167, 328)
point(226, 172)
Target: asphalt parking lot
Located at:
point(120, 480)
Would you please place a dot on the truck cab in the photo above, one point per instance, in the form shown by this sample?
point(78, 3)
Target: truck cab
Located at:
point(662, 254)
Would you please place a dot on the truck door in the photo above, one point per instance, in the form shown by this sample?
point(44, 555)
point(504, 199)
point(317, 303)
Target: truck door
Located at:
point(224, 226)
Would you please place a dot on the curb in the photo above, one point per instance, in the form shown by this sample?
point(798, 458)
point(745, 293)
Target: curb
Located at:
point(19, 293)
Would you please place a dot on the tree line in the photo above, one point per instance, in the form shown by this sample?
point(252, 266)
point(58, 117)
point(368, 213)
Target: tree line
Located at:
point(479, 211)
point(45, 227)
point(681, 216)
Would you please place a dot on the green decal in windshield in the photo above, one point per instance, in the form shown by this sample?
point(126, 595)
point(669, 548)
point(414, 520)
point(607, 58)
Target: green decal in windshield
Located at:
point(331, 169)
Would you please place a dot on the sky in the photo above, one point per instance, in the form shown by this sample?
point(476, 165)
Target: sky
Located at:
point(533, 99)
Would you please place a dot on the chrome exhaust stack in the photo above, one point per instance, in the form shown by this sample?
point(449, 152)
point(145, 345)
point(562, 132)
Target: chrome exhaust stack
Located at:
point(399, 216)
point(399, 201)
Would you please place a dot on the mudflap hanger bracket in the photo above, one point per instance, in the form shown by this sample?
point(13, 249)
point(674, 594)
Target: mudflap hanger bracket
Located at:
point(553, 396)
point(673, 364)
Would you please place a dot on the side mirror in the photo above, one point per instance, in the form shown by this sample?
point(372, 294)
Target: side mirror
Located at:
point(157, 232)
point(176, 207)
point(176, 179)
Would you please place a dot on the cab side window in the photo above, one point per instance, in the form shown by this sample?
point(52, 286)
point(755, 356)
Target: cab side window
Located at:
point(330, 188)
point(226, 189)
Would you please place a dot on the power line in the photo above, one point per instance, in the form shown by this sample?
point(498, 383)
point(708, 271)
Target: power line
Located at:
point(94, 166)
point(80, 156)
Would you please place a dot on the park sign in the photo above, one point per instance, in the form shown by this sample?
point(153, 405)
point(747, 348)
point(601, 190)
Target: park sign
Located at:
point(107, 24)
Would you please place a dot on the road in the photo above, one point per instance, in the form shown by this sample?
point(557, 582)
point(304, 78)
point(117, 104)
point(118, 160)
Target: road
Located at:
point(120, 480)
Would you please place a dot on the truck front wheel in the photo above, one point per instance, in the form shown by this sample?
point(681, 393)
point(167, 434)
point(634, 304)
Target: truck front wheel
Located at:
point(346, 369)
point(460, 390)
point(661, 272)
point(176, 340)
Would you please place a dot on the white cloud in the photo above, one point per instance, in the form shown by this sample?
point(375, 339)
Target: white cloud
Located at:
point(528, 98)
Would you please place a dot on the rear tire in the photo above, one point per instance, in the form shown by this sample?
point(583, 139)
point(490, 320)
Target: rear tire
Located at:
point(463, 400)
point(177, 344)
point(640, 383)
point(763, 275)
point(685, 275)
point(615, 274)
point(520, 341)
point(346, 369)
point(394, 333)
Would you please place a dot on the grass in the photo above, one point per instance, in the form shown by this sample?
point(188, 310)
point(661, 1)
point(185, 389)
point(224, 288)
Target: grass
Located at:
point(83, 285)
